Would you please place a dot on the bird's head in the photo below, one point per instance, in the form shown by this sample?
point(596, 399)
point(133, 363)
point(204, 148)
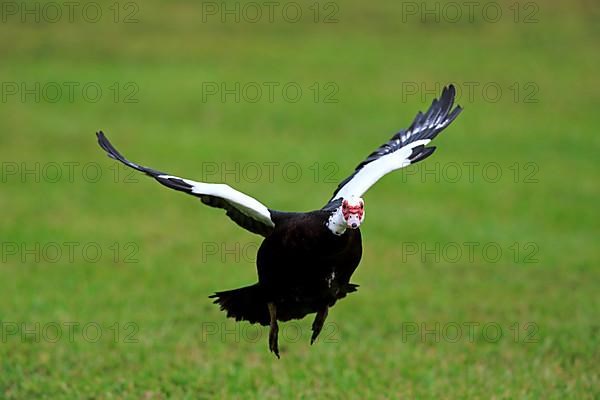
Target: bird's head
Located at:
point(353, 211)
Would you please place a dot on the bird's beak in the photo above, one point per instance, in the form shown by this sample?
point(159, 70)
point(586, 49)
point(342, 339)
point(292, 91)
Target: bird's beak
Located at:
point(353, 221)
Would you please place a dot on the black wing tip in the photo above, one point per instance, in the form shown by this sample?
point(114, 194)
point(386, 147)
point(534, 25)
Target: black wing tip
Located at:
point(448, 96)
point(452, 116)
point(107, 146)
point(110, 150)
point(424, 122)
point(450, 91)
point(102, 139)
point(439, 115)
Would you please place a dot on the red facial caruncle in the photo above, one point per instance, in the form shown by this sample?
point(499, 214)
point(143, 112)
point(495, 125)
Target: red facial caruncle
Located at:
point(353, 211)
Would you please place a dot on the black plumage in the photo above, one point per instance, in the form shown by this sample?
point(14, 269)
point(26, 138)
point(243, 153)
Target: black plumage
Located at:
point(302, 268)
point(306, 260)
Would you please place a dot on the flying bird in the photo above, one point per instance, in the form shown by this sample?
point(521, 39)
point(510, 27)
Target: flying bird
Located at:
point(306, 259)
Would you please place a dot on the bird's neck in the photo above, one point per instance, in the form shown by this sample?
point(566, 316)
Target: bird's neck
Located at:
point(336, 222)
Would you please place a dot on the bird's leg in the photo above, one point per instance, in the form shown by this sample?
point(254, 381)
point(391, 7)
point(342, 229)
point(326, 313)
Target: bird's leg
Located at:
point(274, 331)
point(318, 323)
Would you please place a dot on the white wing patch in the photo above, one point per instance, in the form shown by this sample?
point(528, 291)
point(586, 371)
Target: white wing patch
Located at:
point(404, 148)
point(246, 204)
point(372, 172)
point(245, 211)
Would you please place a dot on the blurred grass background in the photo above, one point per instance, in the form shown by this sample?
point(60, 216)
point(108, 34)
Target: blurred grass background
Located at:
point(371, 54)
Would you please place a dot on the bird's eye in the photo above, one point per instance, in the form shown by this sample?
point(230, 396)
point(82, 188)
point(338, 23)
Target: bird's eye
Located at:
point(362, 206)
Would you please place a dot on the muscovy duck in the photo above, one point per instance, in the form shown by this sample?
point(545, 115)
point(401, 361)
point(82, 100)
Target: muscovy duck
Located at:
point(307, 258)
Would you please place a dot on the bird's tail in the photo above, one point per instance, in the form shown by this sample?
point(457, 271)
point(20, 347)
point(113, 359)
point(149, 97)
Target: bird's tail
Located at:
point(244, 304)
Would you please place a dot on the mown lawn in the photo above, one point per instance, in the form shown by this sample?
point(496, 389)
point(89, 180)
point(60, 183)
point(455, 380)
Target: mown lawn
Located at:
point(480, 270)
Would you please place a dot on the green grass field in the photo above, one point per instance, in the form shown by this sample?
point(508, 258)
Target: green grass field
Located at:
point(431, 320)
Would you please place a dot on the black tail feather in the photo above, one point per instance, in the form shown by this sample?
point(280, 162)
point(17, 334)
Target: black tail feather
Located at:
point(244, 304)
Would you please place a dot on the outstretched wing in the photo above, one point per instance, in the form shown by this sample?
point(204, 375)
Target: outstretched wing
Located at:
point(404, 148)
point(247, 212)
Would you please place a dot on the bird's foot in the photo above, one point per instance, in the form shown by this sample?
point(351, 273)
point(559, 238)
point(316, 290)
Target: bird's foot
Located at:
point(318, 323)
point(273, 342)
point(274, 331)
